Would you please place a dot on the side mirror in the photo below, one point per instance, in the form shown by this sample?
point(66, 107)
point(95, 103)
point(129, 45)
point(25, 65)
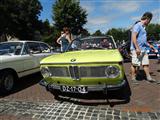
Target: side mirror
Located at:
point(51, 48)
point(31, 52)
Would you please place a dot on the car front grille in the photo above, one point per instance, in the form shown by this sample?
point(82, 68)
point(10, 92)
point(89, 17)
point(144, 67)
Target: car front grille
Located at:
point(97, 71)
point(76, 72)
point(59, 71)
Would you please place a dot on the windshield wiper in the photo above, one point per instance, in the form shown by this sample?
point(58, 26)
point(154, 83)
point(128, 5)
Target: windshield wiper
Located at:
point(94, 47)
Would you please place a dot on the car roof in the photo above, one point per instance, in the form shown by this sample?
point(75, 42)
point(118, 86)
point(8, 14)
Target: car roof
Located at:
point(23, 41)
point(94, 37)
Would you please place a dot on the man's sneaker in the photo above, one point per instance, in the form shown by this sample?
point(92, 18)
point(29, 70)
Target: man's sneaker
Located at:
point(134, 81)
point(149, 79)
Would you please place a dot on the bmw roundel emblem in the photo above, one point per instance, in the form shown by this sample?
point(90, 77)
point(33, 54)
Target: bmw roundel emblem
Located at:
point(73, 60)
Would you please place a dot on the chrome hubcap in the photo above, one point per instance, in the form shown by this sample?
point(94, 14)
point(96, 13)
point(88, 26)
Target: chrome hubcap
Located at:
point(8, 82)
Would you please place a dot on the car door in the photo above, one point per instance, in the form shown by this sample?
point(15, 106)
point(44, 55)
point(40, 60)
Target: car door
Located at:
point(35, 51)
point(46, 50)
point(39, 50)
point(30, 62)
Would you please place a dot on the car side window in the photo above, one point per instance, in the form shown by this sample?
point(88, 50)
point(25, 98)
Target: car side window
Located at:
point(34, 47)
point(45, 48)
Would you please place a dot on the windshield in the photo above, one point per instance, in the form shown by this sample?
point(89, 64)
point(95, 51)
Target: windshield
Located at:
point(12, 48)
point(92, 43)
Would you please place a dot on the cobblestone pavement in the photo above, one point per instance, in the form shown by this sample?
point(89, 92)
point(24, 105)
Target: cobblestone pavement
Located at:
point(30, 101)
point(68, 111)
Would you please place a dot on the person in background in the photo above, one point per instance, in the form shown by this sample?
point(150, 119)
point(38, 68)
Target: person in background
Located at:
point(104, 43)
point(138, 48)
point(59, 41)
point(65, 39)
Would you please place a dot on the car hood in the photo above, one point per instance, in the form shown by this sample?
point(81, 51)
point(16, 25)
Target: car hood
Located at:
point(85, 56)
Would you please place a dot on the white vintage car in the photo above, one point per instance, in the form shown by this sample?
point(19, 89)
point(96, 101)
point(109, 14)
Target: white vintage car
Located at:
point(18, 59)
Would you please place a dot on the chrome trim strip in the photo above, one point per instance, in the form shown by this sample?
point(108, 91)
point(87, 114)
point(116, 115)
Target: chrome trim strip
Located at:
point(28, 69)
point(90, 87)
point(69, 63)
point(75, 71)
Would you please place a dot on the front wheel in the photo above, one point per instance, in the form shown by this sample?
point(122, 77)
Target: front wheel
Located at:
point(6, 81)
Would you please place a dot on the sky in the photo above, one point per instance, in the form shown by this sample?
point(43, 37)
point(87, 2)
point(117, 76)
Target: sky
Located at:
point(106, 14)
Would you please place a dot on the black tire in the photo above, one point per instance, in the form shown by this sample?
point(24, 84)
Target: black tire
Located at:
point(126, 91)
point(7, 80)
point(56, 94)
point(122, 93)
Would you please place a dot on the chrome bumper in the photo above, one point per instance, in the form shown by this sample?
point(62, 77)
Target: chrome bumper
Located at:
point(90, 88)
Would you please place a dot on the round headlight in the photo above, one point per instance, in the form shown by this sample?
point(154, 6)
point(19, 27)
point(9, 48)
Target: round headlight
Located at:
point(112, 71)
point(45, 72)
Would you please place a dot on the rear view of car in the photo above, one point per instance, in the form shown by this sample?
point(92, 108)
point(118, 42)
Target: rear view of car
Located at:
point(154, 53)
point(158, 45)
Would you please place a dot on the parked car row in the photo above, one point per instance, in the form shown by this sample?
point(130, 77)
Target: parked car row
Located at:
point(154, 53)
point(125, 50)
point(18, 59)
point(89, 64)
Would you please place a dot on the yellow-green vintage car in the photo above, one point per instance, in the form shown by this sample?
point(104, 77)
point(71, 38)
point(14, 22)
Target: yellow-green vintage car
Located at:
point(89, 64)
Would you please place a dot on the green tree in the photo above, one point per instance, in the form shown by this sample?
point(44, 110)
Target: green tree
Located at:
point(69, 13)
point(97, 33)
point(46, 28)
point(118, 34)
point(51, 36)
point(153, 31)
point(85, 33)
point(19, 18)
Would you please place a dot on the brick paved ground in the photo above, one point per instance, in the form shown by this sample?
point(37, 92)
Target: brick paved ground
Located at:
point(31, 101)
point(145, 96)
point(68, 111)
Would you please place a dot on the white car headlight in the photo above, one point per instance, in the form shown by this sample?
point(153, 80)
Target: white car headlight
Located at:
point(112, 71)
point(45, 72)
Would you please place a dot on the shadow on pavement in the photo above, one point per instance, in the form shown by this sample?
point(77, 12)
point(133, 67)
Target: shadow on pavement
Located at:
point(142, 76)
point(112, 98)
point(24, 83)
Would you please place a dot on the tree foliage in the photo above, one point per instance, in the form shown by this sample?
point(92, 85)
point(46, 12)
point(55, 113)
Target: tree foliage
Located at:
point(153, 31)
point(19, 18)
point(98, 33)
point(85, 33)
point(119, 34)
point(69, 13)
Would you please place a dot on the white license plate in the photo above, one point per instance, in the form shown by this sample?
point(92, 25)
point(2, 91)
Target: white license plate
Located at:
point(74, 89)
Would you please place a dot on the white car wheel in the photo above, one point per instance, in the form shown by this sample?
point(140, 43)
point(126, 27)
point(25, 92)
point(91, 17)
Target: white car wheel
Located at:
point(7, 81)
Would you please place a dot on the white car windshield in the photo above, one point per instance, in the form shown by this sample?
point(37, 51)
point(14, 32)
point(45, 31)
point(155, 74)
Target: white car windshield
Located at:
point(10, 48)
point(92, 43)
